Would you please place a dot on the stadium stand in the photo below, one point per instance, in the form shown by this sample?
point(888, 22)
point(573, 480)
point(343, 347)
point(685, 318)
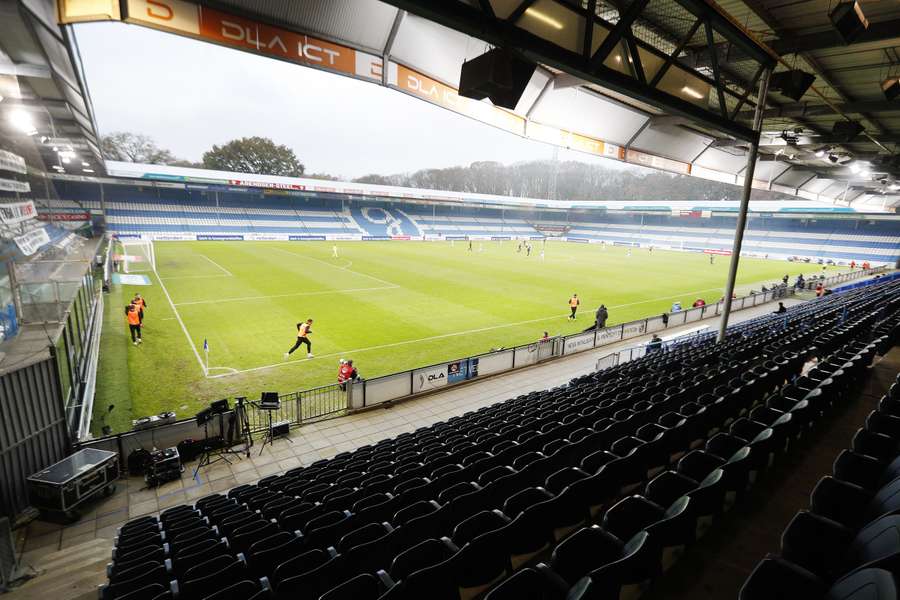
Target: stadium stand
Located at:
point(133, 209)
point(608, 480)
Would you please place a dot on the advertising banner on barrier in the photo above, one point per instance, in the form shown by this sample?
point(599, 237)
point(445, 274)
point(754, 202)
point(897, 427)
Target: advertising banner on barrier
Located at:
point(526, 355)
point(171, 237)
point(430, 378)
point(12, 162)
point(454, 238)
point(16, 212)
point(578, 240)
point(265, 237)
point(30, 242)
point(610, 334)
point(65, 216)
point(500, 238)
point(306, 238)
point(637, 328)
point(402, 238)
point(376, 238)
point(579, 342)
point(220, 237)
point(716, 251)
point(457, 371)
point(496, 362)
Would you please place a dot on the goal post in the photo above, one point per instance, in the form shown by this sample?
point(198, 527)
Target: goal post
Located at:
point(138, 256)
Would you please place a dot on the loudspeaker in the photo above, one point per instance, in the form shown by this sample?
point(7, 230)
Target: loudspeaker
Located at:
point(204, 416)
point(891, 88)
point(845, 131)
point(849, 21)
point(792, 84)
point(497, 74)
point(269, 400)
point(219, 406)
point(280, 428)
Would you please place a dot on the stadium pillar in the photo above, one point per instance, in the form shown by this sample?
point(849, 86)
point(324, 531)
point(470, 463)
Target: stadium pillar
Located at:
point(745, 202)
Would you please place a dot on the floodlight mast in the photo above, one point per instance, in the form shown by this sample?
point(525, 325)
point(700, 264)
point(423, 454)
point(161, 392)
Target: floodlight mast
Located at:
point(745, 202)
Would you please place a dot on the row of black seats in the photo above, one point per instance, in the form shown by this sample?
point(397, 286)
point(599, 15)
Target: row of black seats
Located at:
point(639, 538)
point(558, 420)
point(846, 545)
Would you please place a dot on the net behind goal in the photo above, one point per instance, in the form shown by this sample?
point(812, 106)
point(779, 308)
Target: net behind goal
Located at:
point(137, 256)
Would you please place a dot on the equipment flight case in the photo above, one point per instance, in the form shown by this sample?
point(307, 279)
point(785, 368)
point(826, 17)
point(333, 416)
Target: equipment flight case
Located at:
point(62, 487)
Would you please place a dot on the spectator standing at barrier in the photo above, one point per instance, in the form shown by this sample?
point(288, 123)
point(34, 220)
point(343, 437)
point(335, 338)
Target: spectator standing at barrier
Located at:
point(545, 337)
point(140, 304)
point(347, 372)
point(784, 280)
point(304, 330)
point(820, 290)
point(573, 305)
point(655, 344)
point(602, 316)
point(665, 319)
point(698, 303)
point(781, 308)
point(134, 324)
point(852, 264)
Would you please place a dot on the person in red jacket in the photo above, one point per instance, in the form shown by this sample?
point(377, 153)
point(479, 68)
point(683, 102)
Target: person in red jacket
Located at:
point(346, 373)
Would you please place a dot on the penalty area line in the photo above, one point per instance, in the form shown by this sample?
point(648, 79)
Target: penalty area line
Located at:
point(344, 268)
point(223, 269)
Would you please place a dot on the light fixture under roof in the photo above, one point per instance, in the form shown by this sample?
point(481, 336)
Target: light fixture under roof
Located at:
point(855, 168)
point(88, 170)
point(22, 121)
point(820, 153)
point(689, 91)
point(543, 18)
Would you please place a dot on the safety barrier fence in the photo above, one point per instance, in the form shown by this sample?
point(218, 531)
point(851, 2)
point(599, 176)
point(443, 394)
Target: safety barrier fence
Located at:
point(830, 282)
point(330, 400)
point(297, 408)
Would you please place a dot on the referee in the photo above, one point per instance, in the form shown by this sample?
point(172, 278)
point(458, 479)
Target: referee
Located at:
point(304, 330)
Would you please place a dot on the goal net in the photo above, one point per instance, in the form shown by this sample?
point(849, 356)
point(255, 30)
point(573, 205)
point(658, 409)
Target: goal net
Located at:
point(137, 256)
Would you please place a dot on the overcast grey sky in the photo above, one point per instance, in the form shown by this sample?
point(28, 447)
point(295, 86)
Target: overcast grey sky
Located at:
point(189, 95)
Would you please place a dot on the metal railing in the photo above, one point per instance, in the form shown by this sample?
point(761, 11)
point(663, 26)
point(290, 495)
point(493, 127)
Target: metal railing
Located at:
point(299, 407)
point(810, 284)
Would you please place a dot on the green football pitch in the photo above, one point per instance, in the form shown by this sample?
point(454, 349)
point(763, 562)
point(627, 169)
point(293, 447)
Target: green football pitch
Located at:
point(390, 306)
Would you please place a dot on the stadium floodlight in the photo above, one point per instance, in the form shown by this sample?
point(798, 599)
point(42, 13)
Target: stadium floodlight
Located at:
point(855, 168)
point(22, 121)
point(820, 153)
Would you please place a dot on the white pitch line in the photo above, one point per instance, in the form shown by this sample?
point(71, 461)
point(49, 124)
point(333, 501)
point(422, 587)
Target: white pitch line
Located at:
point(290, 295)
point(346, 268)
point(183, 328)
point(224, 270)
point(438, 337)
point(197, 276)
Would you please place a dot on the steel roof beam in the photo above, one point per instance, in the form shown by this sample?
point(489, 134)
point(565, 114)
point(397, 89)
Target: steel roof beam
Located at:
point(803, 109)
point(471, 21)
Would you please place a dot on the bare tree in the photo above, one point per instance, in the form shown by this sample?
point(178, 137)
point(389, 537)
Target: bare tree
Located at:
point(135, 147)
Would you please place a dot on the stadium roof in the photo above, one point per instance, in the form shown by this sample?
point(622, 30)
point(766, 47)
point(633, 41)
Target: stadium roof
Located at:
point(41, 85)
point(668, 84)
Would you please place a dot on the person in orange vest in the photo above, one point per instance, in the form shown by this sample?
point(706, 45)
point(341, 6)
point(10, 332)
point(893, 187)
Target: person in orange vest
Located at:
point(573, 305)
point(140, 304)
point(304, 330)
point(852, 264)
point(866, 266)
point(820, 290)
point(134, 324)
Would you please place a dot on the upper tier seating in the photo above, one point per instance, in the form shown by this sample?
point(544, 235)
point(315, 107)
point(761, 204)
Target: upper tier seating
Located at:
point(614, 475)
point(134, 209)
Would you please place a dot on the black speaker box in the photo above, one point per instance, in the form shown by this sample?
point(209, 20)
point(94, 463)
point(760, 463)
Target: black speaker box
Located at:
point(219, 406)
point(845, 131)
point(280, 428)
point(849, 20)
point(497, 74)
point(891, 88)
point(792, 84)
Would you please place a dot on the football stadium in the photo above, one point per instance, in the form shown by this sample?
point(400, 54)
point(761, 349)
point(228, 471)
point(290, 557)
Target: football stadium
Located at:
point(458, 300)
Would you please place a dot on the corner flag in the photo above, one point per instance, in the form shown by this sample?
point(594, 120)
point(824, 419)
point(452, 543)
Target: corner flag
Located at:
point(206, 351)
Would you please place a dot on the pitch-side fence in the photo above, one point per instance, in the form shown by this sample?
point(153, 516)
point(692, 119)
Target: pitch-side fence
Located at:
point(333, 400)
